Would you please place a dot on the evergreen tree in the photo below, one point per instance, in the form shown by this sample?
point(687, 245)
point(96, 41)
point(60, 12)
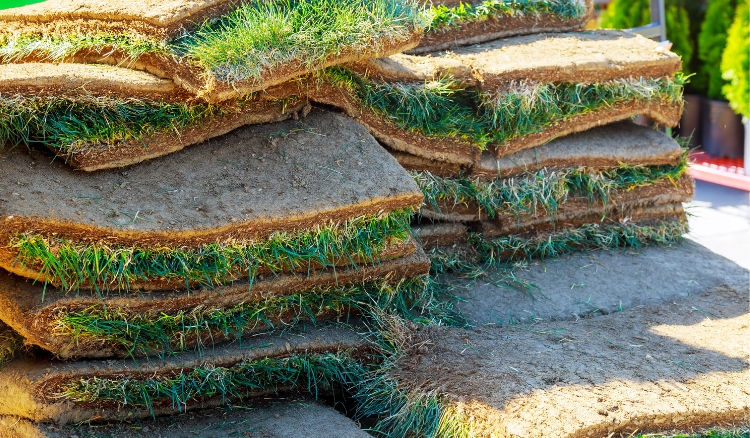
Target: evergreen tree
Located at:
point(735, 63)
point(711, 43)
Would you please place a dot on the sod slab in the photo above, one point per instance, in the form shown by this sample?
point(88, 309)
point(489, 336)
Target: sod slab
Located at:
point(273, 418)
point(57, 80)
point(676, 364)
point(35, 387)
point(209, 316)
point(245, 186)
point(481, 27)
point(244, 47)
point(598, 148)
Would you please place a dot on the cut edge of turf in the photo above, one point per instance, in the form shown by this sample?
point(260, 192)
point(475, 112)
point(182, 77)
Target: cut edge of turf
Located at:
point(73, 266)
point(540, 189)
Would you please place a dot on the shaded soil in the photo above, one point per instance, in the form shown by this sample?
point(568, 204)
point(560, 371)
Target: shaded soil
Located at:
point(603, 147)
point(601, 282)
point(31, 386)
point(34, 311)
point(572, 209)
point(245, 185)
point(475, 32)
point(273, 418)
point(679, 363)
point(441, 235)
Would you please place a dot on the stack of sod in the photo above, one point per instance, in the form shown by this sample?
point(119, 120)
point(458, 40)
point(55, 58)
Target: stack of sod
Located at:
point(455, 23)
point(250, 219)
point(215, 49)
point(175, 269)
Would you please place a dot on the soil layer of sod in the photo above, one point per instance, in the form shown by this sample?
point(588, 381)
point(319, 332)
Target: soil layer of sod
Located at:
point(680, 363)
point(74, 326)
point(253, 47)
point(254, 184)
point(458, 24)
point(291, 417)
point(70, 392)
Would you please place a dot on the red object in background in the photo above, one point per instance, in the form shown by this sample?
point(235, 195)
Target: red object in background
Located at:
point(727, 172)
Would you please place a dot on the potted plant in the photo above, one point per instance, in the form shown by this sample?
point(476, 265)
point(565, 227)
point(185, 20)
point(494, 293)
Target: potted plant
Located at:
point(722, 129)
point(735, 68)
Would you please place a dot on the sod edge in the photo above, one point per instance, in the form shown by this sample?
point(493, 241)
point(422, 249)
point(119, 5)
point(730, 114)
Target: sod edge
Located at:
point(258, 45)
point(486, 20)
point(136, 333)
point(543, 189)
point(445, 109)
point(74, 265)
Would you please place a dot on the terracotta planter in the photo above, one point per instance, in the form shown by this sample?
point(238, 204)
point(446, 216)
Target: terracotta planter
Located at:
point(690, 123)
point(722, 133)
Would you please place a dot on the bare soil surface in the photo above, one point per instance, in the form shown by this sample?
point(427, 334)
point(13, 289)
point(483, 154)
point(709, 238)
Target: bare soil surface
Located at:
point(71, 80)
point(604, 147)
point(580, 57)
point(148, 18)
point(479, 31)
point(273, 418)
point(668, 360)
point(31, 386)
point(256, 180)
point(35, 311)
point(601, 282)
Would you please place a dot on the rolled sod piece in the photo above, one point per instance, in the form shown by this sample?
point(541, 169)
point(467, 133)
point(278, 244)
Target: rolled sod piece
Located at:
point(316, 362)
point(293, 196)
point(623, 373)
point(456, 24)
point(167, 322)
point(213, 49)
point(281, 418)
point(513, 94)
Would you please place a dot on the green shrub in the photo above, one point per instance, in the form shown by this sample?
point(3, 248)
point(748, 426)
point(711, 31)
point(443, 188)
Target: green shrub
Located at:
point(626, 14)
point(711, 43)
point(735, 64)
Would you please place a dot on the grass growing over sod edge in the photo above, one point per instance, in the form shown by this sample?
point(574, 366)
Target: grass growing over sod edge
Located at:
point(74, 265)
point(543, 189)
point(148, 333)
point(445, 17)
point(260, 36)
point(443, 109)
point(74, 124)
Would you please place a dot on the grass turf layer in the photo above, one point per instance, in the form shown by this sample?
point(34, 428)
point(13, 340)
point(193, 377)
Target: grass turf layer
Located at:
point(73, 265)
point(74, 124)
point(482, 253)
point(445, 109)
point(161, 333)
point(309, 372)
point(543, 189)
point(260, 36)
point(446, 17)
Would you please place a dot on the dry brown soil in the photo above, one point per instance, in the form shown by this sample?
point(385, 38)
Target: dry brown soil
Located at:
point(31, 386)
point(670, 351)
point(273, 418)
